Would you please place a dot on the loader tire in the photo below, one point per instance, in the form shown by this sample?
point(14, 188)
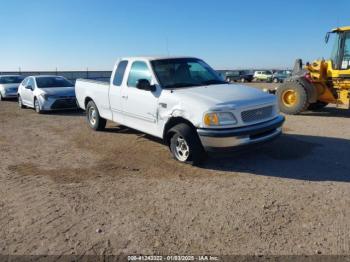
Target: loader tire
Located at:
point(292, 98)
point(317, 106)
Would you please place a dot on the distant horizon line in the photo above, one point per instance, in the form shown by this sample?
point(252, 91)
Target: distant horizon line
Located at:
point(109, 70)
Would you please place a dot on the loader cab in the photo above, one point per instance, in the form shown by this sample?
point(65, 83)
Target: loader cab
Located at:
point(340, 55)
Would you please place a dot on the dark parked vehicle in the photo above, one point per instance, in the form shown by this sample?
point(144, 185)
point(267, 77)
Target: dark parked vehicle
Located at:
point(280, 76)
point(238, 76)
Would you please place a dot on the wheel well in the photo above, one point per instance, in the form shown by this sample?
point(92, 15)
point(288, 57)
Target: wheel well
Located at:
point(170, 124)
point(87, 100)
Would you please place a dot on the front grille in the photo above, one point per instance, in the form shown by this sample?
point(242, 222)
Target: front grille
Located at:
point(258, 114)
point(64, 103)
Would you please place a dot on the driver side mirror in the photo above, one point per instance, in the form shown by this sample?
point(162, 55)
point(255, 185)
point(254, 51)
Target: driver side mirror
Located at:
point(144, 84)
point(29, 87)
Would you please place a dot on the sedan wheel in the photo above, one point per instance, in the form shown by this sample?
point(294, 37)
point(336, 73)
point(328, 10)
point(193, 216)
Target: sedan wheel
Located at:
point(20, 103)
point(37, 106)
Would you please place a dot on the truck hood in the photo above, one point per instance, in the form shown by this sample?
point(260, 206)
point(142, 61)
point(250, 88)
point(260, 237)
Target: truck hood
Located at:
point(59, 91)
point(216, 96)
point(193, 102)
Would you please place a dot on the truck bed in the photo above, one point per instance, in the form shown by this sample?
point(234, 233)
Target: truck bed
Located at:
point(87, 89)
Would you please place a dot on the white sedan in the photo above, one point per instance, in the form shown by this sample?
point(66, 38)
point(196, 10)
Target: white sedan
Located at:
point(9, 85)
point(46, 93)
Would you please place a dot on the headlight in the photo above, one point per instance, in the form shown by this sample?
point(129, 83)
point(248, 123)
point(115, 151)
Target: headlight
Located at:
point(219, 119)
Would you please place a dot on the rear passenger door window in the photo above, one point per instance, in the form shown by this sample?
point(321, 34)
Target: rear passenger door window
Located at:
point(139, 70)
point(119, 74)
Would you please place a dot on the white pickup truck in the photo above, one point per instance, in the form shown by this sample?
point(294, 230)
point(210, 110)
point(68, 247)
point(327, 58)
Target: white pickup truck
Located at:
point(183, 101)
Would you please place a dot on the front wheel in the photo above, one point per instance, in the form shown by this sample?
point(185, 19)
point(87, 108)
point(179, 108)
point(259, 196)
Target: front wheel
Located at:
point(185, 145)
point(242, 80)
point(292, 98)
point(37, 106)
point(93, 117)
point(20, 102)
point(275, 80)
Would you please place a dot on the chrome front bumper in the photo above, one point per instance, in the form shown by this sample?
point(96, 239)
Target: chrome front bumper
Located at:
point(226, 139)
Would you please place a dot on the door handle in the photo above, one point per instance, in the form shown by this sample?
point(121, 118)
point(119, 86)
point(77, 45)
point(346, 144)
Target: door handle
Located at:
point(125, 97)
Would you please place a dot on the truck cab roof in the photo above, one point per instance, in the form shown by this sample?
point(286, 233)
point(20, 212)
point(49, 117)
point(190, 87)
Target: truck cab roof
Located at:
point(151, 58)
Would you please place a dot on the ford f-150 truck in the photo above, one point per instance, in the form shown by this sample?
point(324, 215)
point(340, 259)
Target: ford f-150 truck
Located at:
point(183, 101)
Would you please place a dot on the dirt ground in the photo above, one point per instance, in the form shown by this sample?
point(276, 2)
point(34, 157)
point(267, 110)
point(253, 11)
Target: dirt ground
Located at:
point(65, 189)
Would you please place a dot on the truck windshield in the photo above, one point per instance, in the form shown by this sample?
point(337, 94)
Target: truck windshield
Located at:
point(11, 79)
point(48, 82)
point(185, 72)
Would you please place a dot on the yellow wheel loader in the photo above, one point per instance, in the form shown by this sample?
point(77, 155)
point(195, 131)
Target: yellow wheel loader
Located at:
point(320, 83)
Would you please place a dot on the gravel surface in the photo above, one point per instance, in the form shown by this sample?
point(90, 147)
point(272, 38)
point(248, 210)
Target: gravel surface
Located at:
point(65, 189)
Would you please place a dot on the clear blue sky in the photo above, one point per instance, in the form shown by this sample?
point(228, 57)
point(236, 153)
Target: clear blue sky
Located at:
point(76, 34)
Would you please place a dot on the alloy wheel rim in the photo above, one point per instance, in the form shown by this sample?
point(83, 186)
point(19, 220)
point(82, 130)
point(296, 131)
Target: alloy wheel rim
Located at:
point(182, 150)
point(289, 98)
point(92, 116)
point(37, 106)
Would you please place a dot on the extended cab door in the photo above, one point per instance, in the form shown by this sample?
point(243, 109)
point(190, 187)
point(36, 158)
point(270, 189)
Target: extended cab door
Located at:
point(140, 106)
point(115, 91)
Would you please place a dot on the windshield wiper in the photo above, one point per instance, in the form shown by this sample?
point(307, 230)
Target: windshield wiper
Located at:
point(181, 85)
point(214, 82)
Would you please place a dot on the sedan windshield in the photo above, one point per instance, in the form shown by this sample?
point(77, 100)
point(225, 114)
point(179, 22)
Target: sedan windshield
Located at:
point(185, 72)
point(49, 82)
point(11, 79)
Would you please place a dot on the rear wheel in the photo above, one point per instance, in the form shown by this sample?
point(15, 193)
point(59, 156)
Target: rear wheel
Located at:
point(292, 98)
point(242, 80)
point(93, 117)
point(275, 80)
point(185, 145)
point(317, 106)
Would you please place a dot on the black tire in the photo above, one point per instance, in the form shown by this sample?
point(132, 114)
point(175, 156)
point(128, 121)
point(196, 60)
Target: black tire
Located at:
point(275, 80)
point(93, 117)
point(1, 98)
point(300, 103)
point(317, 106)
point(37, 106)
point(242, 80)
point(228, 79)
point(20, 103)
point(196, 154)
